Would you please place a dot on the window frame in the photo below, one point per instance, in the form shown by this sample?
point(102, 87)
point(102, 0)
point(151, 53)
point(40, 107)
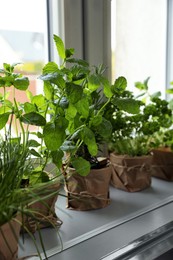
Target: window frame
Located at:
point(78, 22)
point(169, 49)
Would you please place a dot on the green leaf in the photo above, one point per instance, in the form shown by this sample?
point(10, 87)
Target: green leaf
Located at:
point(81, 166)
point(33, 143)
point(8, 67)
point(78, 61)
point(74, 92)
point(3, 120)
point(64, 102)
point(6, 108)
point(50, 67)
point(156, 94)
point(38, 177)
point(96, 120)
point(146, 82)
point(89, 139)
point(76, 133)
point(142, 85)
point(15, 140)
point(107, 87)
point(105, 128)
point(68, 146)
point(171, 104)
point(7, 81)
point(83, 107)
point(29, 94)
point(39, 135)
point(71, 112)
point(48, 90)
point(2, 82)
point(33, 118)
point(129, 105)
point(57, 157)
point(120, 84)
point(35, 153)
point(21, 83)
point(93, 82)
point(59, 46)
point(69, 52)
point(54, 133)
point(28, 107)
point(54, 78)
point(39, 101)
point(53, 139)
point(169, 91)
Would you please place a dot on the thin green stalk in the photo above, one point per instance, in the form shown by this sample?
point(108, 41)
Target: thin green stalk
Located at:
point(4, 94)
point(15, 119)
point(105, 104)
point(21, 125)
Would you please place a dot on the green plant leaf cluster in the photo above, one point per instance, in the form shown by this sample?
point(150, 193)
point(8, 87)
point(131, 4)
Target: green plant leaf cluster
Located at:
point(135, 121)
point(19, 145)
point(77, 95)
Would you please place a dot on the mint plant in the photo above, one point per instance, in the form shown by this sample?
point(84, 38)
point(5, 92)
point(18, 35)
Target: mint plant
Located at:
point(17, 120)
point(78, 95)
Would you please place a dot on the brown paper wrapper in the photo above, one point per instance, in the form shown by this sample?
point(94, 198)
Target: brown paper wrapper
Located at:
point(11, 231)
point(44, 213)
point(130, 173)
point(162, 164)
point(89, 192)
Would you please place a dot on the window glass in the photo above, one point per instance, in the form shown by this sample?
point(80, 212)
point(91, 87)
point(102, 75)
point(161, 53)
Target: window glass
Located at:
point(139, 41)
point(23, 37)
point(23, 40)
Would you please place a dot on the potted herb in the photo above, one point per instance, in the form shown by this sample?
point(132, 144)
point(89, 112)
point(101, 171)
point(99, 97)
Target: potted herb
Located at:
point(14, 199)
point(17, 149)
point(11, 171)
point(78, 95)
point(162, 165)
point(132, 140)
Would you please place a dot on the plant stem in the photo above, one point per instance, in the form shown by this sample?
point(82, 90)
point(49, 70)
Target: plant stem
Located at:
point(105, 104)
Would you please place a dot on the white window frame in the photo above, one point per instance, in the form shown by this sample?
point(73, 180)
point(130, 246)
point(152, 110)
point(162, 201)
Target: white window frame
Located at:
point(83, 26)
point(169, 51)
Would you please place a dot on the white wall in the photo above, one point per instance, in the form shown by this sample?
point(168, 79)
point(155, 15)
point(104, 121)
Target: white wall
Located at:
point(140, 42)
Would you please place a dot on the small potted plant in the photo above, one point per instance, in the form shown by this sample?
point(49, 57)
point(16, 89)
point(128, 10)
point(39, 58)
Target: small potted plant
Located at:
point(162, 164)
point(161, 141)
point(17, 150)
point(79, 95)
point(14, 199)
point(132, 140)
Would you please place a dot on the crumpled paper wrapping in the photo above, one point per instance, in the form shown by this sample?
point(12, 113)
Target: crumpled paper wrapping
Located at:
point(11, 231)
point(130, 173)
point(162, 164)
point(89, 192)
point(44, 214)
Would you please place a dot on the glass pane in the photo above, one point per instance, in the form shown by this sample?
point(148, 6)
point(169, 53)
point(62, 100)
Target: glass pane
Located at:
point(23, 37)
point(139, 41)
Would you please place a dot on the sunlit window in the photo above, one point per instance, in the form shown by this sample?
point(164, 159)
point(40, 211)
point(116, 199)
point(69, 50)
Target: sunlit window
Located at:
point(23, 40)
point(23, 37)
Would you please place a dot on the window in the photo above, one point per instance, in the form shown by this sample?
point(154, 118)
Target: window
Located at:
point(23, 37)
